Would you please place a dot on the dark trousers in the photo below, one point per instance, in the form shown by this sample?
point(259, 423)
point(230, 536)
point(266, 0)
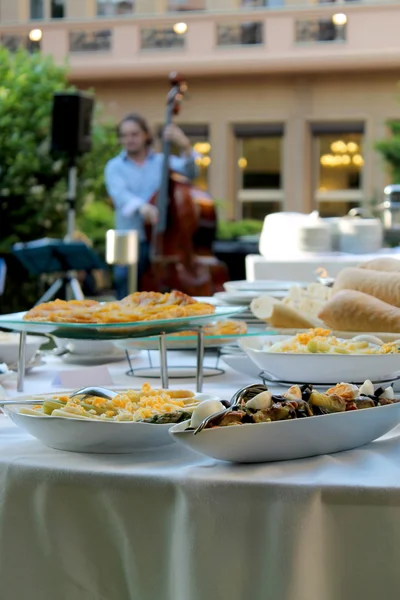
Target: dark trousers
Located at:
point(121, 273)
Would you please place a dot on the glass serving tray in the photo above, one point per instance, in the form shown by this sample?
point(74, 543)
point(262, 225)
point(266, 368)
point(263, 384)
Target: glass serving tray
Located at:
point(186, 342)
point(112, 331)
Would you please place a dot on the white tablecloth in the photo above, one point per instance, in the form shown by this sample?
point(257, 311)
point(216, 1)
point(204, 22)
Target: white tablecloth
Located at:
point(173, 525)
point(303, 267)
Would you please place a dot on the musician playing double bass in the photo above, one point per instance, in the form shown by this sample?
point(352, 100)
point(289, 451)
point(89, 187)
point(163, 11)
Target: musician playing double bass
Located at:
point(134, 176)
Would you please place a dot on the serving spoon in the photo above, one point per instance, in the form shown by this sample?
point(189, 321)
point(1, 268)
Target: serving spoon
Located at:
point(100, 392)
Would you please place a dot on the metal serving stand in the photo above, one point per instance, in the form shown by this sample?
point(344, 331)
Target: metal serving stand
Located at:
point(153, 371)
point(162, 346)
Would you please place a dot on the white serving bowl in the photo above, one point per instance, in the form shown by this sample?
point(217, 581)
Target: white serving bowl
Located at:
point(261, 286)
point(9, 345)
point(320, 368)
point(288, 440)
point(78, 435)
point(85, 347)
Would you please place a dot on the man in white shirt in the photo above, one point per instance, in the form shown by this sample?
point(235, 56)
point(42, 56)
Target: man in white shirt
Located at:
point(134, 176)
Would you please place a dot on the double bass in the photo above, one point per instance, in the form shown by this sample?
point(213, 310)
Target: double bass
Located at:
point(180, 256)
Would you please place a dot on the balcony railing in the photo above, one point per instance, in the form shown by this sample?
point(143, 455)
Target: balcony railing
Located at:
point(15, 42)
point(161, 39)
point(316, 39)
point(240, 34)
point(90, 41)
point(67, 9)
point(319, 30)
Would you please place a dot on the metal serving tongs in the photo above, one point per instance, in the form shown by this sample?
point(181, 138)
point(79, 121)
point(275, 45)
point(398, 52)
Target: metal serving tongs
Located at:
point(247, 392)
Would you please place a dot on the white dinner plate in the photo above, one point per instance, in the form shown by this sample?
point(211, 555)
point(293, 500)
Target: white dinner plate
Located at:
point(262, 286)
point(288, 440)
point(244, 298)
point(320, 368)
point(78, 435)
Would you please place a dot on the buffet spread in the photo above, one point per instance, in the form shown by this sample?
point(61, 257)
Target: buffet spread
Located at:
point(310, 340)
point(303, 421)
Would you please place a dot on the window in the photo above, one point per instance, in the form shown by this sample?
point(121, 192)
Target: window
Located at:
point(114, 7)
point(254, 3)
point(57, 9)
point(155, 39)
point(178, 5)
point(198, 136)
point(338, 166)
point(90, 41)
point(37, 9)
point(241, 34)
point(258, 168)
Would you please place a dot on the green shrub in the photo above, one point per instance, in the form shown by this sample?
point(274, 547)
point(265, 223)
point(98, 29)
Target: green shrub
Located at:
point(229, 230)
point(390, 150)
point(33, 184)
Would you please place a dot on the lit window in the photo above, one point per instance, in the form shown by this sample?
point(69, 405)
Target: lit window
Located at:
point(203, 161)
point(199, 139)
point(338, 167)
point(259, 169)
point(114, 7)
point(340, 161)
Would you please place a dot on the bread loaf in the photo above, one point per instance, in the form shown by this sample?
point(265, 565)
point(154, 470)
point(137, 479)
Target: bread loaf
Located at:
point(350, 310)
point(390, 265)
point(381, 285)
point(277, 314)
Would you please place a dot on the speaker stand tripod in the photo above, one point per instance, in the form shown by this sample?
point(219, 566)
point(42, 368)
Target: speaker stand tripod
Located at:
point(68, 281)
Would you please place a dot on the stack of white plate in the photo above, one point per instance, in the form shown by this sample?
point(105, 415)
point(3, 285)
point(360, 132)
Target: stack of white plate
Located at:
point(360, 236)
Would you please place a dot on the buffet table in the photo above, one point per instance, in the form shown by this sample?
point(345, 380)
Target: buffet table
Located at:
point(172, 525)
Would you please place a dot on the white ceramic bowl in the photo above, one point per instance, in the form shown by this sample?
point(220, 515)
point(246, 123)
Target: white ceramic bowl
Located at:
point(9, 344)
point(85, 347)
point(77, 435)
point(288, 440)
point(320, 368)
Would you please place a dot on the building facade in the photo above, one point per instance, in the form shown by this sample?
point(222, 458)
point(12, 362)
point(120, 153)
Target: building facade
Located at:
point(286, 100)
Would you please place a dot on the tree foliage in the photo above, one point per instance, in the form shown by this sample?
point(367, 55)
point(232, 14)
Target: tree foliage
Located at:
point(33, 184)
point(390, 150)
